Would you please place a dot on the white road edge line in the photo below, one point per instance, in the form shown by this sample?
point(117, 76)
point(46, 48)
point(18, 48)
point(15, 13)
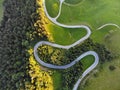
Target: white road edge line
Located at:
point(108, 24)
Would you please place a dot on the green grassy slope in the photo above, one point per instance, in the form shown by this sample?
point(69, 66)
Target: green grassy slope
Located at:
point(106, 79)
point(57, 80)
point(87, 61)
point(65, 36)
point(93, 13)
point(53, 7)
point(113, 42)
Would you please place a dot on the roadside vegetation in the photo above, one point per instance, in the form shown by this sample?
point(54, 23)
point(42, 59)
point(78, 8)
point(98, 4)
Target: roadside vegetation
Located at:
point(40, 79)
point(62, 57)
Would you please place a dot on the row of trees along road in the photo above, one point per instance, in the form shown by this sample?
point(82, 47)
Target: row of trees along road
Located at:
point(59, 56)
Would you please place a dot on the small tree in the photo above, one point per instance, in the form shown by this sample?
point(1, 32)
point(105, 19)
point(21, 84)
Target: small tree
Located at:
point(111, 67)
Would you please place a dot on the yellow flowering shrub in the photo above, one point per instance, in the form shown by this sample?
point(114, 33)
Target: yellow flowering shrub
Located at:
point(43, 20)
point(40, 80)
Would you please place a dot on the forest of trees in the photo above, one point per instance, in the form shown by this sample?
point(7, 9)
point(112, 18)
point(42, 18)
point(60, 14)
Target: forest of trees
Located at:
point(16, 22)
point(16, 33)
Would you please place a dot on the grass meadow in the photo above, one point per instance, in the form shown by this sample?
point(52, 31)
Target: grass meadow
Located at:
point(94, 14)
point(106, 79)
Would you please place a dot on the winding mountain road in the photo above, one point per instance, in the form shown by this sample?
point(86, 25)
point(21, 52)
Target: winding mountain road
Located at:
point(54, 20)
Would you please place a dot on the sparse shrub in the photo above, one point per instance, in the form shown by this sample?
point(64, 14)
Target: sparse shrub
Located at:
point(111, 67)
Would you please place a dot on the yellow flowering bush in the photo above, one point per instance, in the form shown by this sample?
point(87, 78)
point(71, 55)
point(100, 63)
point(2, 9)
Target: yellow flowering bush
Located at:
point(40, 80)
point(42, 21)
